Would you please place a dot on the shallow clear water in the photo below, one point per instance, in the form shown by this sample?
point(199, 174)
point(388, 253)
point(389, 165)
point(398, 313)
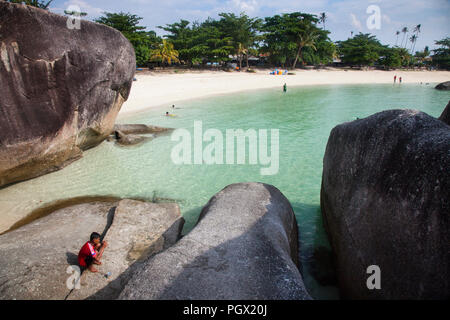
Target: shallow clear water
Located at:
point(304, 116)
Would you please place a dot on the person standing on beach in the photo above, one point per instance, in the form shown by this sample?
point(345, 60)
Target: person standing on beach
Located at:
point(400, 79)
point(395, 78)
point(285, 88)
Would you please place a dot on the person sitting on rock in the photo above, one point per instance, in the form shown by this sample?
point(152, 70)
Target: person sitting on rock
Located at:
point(92, 252)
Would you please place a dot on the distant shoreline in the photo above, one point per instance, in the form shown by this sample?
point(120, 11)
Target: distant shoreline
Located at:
point(157, 88)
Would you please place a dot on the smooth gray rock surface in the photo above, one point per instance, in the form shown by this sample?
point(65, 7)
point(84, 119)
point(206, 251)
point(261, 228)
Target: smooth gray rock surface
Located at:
point(385, 201)
point(61, 89)
point(245, 246)
point(34, 258)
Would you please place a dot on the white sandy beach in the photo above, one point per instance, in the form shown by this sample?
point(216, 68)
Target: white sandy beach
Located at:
point(154, 89)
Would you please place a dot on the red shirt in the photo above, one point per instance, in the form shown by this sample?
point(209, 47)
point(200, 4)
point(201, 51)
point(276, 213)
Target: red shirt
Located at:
point(86, 251)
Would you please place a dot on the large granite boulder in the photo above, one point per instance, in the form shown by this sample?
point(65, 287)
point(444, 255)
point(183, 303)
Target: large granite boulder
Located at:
point(445, 116)
point(385, 201)
point(443, 86)
point(35, 258)
point(61, 89)
point(244, 246)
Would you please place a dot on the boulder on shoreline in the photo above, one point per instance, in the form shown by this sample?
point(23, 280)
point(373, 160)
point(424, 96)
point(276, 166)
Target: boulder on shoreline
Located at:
point(35, 258)
point(385, 201)
point(61, 89)
point(244, 246)
point(140, 129)
point(443, 86)
point(132, 134)
point(129, 139)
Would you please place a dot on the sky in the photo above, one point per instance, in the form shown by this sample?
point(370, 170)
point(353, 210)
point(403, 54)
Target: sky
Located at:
point(379, 17)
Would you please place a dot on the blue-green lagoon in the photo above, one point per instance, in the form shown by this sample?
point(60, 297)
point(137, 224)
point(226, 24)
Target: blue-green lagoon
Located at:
point(304, 117)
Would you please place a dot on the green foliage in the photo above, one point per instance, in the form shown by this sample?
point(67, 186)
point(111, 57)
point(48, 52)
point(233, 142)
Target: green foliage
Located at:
point(362, 50)
point(284, 40)
point(164, 53)
point(243, 32)
point(199, 43)
point(142, 54)
point(293, 37)
point(392, 58)
point(127, 23)
point(441, 56)
point(33, 3)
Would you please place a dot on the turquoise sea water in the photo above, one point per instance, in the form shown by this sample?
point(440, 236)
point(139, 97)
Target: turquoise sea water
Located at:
point(304, 117)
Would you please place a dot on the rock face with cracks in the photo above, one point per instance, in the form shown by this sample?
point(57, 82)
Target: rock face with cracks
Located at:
point(244, 246)
point(61, 89)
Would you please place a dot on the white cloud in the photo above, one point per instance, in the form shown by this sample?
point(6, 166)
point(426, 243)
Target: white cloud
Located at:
point(248, 6)
point(355, 22)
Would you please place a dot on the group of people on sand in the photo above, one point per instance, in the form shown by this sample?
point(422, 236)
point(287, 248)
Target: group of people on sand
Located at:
point(399, 79)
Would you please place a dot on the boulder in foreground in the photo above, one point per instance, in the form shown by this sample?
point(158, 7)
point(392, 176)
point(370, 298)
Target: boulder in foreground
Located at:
point(244, 246)
point(385, 201)
point(34, 258)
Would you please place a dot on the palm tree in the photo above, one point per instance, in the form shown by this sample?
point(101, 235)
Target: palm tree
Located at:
point(307, 39)
point(404, 56)
point(396, 41)
point(405, 31)
point(323, 17)
point(413, 40)
point(241, 51)
point(417, 31)
point(165, 53)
